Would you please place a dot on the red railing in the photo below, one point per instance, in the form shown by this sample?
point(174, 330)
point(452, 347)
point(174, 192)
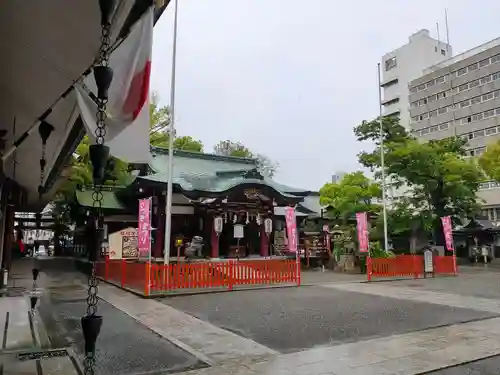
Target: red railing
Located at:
point(408, 266)
point(158, 278)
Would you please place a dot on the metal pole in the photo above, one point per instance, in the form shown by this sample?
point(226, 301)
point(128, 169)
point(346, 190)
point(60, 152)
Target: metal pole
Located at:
point(382, 163)
point(168, 208)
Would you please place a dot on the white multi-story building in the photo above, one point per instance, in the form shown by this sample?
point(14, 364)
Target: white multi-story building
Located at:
point(461, 96)
point(405, 64)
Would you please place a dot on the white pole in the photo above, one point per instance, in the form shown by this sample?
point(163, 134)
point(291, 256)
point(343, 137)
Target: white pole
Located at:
point(382, 164)
point(168, 208)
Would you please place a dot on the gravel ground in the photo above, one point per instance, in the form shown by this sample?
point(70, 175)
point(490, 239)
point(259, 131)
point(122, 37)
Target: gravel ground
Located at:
point(124, 346)
point(489, 366)
point(293, 319)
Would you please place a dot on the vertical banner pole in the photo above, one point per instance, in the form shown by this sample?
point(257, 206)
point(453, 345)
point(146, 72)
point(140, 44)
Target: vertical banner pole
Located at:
point(292, 234)
point(448, 236)
point(363, 241)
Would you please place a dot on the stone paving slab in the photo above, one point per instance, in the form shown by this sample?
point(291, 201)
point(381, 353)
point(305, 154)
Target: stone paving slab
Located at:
point(294, 319)
point(124, 346)
point(411, 294)
point(15, 330)
point(406, 354)
point(207, 342)
point(10, 364)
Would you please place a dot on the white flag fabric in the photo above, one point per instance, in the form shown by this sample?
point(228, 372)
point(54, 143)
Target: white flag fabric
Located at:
point(128, 118)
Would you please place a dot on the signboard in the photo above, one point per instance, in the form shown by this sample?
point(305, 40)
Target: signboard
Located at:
point(362, 226)
point(448, 232)
point(144, 230)
point(238, 231)
point(428, 264)
point(123, 244)
point(291, 229)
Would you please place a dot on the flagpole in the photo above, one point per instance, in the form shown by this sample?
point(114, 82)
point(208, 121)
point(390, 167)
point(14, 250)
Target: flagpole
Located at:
point(168, 208)
point(382, 163)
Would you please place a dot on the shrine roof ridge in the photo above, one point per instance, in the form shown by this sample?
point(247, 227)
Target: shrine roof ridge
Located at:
point(203, 155)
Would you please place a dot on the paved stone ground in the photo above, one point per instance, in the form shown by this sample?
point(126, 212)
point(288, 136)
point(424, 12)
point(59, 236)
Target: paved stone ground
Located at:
point(475, 283)
point(124, 345)
point(489, 366)
point(294, 319)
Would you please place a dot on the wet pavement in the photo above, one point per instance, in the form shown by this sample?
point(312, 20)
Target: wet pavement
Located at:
point(124, 346)
point(489, 366)
point(475, 283)
point(294, 319)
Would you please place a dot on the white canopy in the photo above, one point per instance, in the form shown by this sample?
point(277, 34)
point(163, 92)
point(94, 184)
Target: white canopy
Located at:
point(45, 46)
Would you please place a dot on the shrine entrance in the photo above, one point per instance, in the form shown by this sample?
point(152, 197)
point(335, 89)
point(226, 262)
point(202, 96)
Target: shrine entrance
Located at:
point(243, 220)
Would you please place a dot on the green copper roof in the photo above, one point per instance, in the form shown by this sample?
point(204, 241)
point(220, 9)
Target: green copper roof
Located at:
point(197, 162)
point(211, 173)
point(110, 202)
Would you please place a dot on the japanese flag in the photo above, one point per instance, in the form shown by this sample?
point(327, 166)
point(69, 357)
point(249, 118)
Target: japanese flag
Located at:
point(127, 123)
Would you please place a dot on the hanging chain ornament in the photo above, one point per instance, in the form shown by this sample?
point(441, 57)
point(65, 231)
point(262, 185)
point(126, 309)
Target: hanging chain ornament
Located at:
point(103, 75)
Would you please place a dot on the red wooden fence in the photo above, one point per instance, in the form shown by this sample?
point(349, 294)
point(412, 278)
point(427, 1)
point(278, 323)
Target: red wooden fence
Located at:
point(407, 266)
point(158, 278)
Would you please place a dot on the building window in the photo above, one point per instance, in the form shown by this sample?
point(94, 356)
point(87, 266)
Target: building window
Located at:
point(390, 63)
point(463, 87)
point(486, 97)
point(484, 63)
point(433, 113)
point(473, 67)
point(443, 52)
point(475, 100)
point(495, 59)
point(421, 87)
point(490, 131)
point(474, 83)
point(431, 83)
point(432, 98)
point(479, 134)
point(465, 103)
point(461, 72)
point(444, 126)
point(441, 79)
point(442, 110)
point(485, 80)
point(488, 114)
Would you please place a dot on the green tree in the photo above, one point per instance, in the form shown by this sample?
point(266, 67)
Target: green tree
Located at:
point(353, 193)
point(159, 129)
point(440, 180)
point(489, 161)
point(230, 148)
point(266, 166)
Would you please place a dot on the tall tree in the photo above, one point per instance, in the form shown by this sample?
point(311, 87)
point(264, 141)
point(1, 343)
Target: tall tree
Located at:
point(159, 129)
point(440, 179)
point(353, 193)
point(265, 165)
point(489, 161)
point(230, 148)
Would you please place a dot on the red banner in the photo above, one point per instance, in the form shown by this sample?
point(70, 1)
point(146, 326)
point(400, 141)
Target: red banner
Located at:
point(144, 227)
point(448, 232)
point(291, 228)
point(362, 225)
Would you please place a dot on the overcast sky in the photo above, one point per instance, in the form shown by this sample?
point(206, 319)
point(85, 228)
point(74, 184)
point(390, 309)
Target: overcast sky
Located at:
point(290, 78)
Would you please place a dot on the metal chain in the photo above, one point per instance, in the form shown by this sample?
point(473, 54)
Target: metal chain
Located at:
point(97, 196)
point(42, 166)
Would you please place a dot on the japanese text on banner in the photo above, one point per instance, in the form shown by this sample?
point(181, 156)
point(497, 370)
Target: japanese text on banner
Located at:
point(291, 228)
point(144, 227)
point(362, 226)
point(448, 232)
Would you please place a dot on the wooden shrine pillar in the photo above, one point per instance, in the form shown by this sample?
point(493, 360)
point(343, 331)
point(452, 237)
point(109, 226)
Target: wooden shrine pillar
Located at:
point(264, 242)
point(214, 242)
